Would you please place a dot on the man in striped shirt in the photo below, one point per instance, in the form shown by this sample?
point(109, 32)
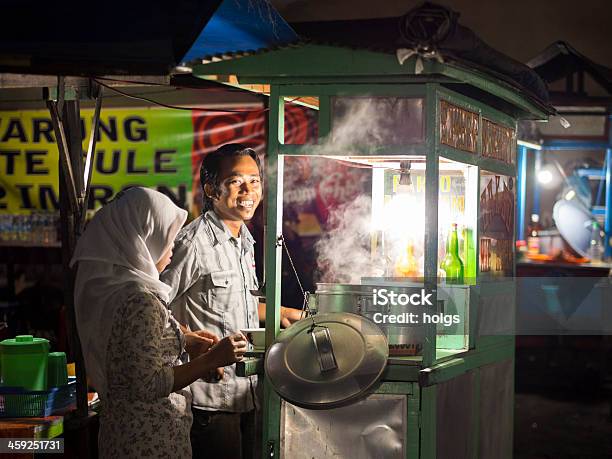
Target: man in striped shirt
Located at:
point(212, 274)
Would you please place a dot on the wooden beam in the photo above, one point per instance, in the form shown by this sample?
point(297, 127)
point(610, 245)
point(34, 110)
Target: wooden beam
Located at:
point(21, 80)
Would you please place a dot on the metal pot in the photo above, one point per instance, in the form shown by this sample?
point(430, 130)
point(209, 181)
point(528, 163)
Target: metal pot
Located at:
point(404, 339)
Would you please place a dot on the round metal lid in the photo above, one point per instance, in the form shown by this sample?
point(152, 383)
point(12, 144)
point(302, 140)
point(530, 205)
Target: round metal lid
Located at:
point(307, 371)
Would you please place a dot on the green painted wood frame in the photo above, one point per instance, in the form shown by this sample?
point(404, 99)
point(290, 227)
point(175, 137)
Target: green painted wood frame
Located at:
point(433, 371)
point(325, 92)
point(484, 112)
point(273, 258)
point(433, 93)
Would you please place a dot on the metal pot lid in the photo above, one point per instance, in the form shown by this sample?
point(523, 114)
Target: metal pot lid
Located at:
point(329, 364)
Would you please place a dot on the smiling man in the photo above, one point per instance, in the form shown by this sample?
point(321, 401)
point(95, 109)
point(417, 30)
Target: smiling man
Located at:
point(212, 274)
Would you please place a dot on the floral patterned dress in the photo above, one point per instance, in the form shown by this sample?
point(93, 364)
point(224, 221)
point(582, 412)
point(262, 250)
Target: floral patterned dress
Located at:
point(141, 416)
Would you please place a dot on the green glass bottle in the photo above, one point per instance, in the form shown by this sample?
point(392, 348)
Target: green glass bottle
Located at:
point(452, 264)
point(469, 257)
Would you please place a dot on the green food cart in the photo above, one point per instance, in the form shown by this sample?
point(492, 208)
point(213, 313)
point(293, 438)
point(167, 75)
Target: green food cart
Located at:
point(439, 135)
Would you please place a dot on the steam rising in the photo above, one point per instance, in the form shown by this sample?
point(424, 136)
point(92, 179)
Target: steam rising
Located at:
point(359, 124)
point(372, 121)
point(344, 250)
point(343, 253)
point(377, 121)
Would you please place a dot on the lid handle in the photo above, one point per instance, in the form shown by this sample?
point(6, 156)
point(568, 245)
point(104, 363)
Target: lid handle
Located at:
point(325, 351)
point(24, 339)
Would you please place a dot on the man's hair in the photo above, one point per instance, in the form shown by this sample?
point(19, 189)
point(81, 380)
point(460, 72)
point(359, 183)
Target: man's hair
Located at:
point(211, 167)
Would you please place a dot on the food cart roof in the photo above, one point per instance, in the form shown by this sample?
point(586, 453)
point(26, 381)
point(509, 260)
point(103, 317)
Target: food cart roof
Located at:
point(367, 48)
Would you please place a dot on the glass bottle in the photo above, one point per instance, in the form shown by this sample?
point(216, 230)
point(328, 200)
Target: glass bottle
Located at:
point(407, 265)
point(533, 237)
point(469, 256)
point(595, 250)
point(452, 264)
point(378, 266)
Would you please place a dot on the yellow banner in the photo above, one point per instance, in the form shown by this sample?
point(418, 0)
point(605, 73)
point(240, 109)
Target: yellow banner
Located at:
point(148, 147)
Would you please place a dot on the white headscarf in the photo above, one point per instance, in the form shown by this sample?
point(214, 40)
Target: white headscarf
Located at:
point(120, 246)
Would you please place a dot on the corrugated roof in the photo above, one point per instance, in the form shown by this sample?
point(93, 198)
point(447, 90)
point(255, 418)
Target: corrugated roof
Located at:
point(458, 45)
point(428, 25)
point(237, 54)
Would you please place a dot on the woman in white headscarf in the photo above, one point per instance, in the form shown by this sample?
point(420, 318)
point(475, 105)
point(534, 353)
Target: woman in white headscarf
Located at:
point(131, 343)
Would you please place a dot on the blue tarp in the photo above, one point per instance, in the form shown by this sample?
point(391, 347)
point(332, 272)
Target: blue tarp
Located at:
point(240, 25)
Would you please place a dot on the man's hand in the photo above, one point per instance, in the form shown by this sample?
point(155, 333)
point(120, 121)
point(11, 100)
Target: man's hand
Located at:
point(199, 342)
point(289, 316)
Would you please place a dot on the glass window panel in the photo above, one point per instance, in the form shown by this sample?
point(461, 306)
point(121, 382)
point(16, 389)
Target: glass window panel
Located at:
point(496, 224)
point(301, 121)
point(377, 120)
point(457, 202)
point(457, 206)
point(452, 329)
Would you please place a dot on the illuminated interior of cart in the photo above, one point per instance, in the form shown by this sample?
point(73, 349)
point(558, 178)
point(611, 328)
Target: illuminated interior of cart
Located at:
point(398, 226)
point(398, 198)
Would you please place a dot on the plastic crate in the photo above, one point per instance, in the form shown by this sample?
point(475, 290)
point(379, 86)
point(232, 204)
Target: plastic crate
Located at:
point(15, 402)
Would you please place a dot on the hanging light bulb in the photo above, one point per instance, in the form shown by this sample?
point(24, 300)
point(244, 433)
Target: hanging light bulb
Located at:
point(405, 181)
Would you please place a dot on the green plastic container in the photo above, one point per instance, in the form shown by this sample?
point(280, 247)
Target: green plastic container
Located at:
point(57, 373)
point(24, 362)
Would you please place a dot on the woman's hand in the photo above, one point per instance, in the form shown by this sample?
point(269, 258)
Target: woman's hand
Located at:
point(199, 342)
point(208, 365)
point(229, 350)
